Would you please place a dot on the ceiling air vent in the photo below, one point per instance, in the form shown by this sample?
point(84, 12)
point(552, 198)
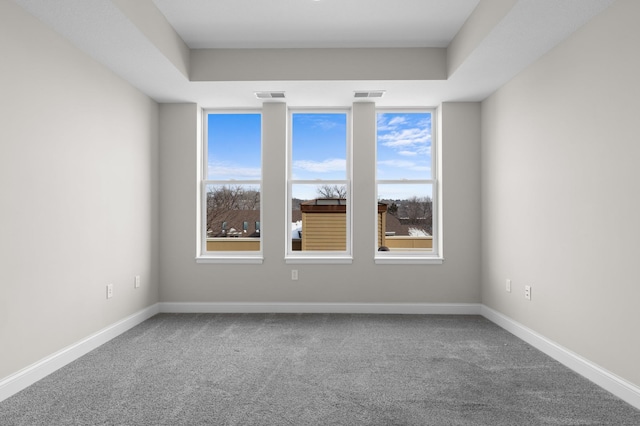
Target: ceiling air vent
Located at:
point(369, 94)
point(270, 95)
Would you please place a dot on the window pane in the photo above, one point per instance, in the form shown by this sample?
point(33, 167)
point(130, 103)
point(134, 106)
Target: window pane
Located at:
point(318, 217)
point(404, 145)
point(233, 217)
point(319, 146)
point(405, 216)
point(233, 146)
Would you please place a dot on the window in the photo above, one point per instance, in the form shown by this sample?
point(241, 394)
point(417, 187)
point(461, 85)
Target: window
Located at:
point(231, 183)
point(406, 185)
point(319, 186)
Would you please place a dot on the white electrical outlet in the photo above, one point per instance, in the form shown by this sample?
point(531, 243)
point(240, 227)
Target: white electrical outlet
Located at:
point(109, 291)
point(136, 281)
point(527, 292)
point(294, 274)
point(508, 286)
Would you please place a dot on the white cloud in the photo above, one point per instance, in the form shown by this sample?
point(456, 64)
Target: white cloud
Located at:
point(390, 122)
point(325, 124)
point(385, 125)
point(319, 121)
point(406, 137)
point(405, 165)
point(395, 121)
point(231, 171)
point(398, 163)
point(329, 165)
point(421, 168)
point(408, 153)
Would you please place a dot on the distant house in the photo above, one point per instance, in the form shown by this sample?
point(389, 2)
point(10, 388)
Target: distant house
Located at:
point(319, 225)
point(236, 223)
point(402, 226)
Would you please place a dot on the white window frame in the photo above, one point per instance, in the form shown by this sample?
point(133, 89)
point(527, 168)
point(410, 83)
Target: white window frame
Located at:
point(415, 257)
point(319, 257)
point(204, 256)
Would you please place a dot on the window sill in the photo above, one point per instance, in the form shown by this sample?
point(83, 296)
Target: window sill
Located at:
point(318, 260)
point(408, 260)
point(230, 259)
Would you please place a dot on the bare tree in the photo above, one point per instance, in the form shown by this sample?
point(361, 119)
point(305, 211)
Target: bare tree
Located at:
point(418, 211)
point(224, 201)
point(332, 191)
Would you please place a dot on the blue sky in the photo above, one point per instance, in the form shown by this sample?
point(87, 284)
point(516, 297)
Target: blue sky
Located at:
point(234, 146)
point(404, 152)
point(404, 146)
point(319, 148)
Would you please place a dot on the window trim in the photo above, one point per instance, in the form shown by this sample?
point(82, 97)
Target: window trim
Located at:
point(229, 257)
point(434, 257)
point(320, 257)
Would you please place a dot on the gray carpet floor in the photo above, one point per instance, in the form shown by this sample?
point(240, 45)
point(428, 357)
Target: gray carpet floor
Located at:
point(315, 369)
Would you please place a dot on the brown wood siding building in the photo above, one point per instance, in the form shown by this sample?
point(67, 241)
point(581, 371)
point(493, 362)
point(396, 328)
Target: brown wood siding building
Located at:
point(324, 224)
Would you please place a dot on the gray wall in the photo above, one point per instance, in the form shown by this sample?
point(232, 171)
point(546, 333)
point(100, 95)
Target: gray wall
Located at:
point(456, 281)
point(560, 173)
point(79, 205)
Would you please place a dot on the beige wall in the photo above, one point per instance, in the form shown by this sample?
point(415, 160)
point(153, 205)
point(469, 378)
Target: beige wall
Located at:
point(456, 281)
point(318, 64)
point(78, 169)
point(560, 164)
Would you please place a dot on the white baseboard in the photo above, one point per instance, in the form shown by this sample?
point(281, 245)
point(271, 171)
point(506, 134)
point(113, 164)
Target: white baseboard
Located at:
point(598, 375)
point(31, 374)
point(324, 308)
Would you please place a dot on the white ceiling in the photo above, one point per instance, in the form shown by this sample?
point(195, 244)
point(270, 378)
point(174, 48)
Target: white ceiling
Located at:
point(102, 30)
point(313, 24)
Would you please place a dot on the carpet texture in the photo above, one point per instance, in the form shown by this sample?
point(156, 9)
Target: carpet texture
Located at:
point(315, 369)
